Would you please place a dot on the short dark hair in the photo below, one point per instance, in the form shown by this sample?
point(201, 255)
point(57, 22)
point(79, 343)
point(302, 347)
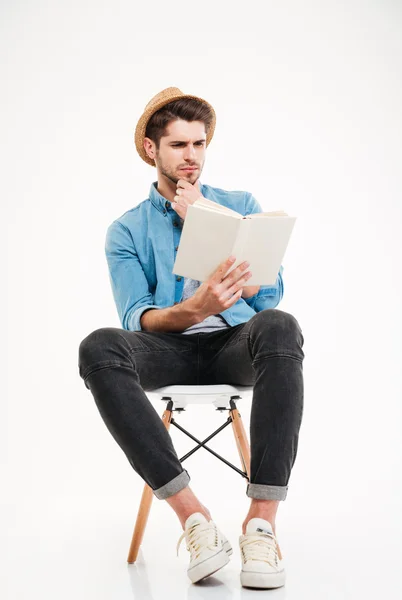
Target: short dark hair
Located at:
point(188, 109)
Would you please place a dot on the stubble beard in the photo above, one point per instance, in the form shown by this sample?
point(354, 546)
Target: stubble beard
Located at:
point(170, 174)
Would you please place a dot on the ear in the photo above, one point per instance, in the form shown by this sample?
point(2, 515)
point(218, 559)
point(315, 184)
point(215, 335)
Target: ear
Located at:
point(149, 148)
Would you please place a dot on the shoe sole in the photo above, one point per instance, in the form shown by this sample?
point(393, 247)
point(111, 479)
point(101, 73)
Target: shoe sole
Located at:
point(262, 580)
point(211, 565)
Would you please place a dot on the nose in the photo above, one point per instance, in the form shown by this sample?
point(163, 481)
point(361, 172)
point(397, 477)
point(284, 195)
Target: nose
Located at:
point(189, 152)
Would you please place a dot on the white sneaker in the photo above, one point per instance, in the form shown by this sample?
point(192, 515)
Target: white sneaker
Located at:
point(261, 565)
point(209, 549)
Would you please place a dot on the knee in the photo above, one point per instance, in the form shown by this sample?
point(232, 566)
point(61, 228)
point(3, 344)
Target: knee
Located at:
point(100, 345)
point(278, 326)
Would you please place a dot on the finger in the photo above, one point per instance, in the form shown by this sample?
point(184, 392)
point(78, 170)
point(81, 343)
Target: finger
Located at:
point(240, 282)
point(234, 298)
point(183, 200)
point(178, 209)
point(222, 269)
point(236, 273)
point(184, 184)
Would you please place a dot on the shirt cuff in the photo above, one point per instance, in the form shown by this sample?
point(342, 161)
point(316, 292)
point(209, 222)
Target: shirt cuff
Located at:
point(265, 290)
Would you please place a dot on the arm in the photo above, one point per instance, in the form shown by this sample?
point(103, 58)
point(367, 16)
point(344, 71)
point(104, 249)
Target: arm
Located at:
point(174, 318)
point(131, 291)
point(267, 296)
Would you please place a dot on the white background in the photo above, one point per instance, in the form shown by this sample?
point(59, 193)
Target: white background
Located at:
point(308, 98)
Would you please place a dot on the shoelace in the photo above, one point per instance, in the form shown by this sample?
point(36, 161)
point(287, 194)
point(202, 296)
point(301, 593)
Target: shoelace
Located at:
point(200, 536)
point(261, 548)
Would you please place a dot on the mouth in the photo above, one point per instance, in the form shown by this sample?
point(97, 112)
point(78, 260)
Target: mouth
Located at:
point(189, 169)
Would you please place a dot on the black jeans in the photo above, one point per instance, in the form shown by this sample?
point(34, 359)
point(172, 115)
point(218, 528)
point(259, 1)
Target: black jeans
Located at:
point(118, 366)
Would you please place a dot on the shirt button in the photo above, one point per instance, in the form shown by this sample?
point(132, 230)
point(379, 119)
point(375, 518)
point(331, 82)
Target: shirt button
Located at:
point(167, 204)
point(175, 224)
point(177, 247)
point(178, 278)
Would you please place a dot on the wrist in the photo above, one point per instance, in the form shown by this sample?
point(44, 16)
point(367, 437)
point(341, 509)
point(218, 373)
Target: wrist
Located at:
point(194, 310)
point(249, 291)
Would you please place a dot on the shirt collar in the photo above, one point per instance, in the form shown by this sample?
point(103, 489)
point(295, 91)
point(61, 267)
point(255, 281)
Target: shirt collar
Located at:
point(159, 201)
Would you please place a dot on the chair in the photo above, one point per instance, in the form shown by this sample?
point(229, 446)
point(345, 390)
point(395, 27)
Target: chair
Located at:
point(177, 397)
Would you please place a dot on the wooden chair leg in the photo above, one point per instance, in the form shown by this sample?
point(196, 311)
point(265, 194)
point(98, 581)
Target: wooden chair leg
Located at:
point(241, 440)
point(145, 507)
point(243, 447)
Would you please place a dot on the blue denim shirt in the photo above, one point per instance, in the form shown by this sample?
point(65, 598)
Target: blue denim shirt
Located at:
point(141, 247)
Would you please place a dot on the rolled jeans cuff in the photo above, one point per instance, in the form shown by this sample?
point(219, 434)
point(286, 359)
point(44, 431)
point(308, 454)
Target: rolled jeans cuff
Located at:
point(266, 492)
point(173, 486)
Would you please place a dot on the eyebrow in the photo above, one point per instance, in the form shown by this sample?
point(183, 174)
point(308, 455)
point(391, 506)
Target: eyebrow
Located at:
point(182, 142)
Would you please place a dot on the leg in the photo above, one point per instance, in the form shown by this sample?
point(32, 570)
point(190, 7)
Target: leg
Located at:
point(266, 352)
point(265, 509)
point(117, 366)
point(186, 503)
point(145, 507)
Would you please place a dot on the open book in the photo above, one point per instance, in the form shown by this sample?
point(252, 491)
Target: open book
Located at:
point(212, 232)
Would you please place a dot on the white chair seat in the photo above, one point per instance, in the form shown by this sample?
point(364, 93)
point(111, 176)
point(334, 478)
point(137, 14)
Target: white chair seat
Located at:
point(219, 395)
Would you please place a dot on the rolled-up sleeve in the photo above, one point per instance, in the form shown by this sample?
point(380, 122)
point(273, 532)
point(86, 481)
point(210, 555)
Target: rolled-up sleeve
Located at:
point(129, 284)
point(268, 296)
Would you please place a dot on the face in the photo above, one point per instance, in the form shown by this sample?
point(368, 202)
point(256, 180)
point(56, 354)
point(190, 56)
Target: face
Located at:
point(183, 146)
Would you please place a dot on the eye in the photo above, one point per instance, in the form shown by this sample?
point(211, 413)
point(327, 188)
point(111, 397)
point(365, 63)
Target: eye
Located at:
point(181, 145)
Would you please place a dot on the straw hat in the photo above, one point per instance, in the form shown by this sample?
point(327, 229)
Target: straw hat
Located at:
point(164, 97)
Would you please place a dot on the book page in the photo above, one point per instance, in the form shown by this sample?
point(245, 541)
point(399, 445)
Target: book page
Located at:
point(265, 248)
point(241, 242)
point(233, 214)
point(207, 239)
point(274, 213)
point(204, 202)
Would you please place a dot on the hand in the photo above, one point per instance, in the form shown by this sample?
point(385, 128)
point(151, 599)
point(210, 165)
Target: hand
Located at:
point(250, 290)
point(220, 291)
point(186, 194)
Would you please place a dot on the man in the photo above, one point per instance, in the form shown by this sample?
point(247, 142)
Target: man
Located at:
point(178, 331)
